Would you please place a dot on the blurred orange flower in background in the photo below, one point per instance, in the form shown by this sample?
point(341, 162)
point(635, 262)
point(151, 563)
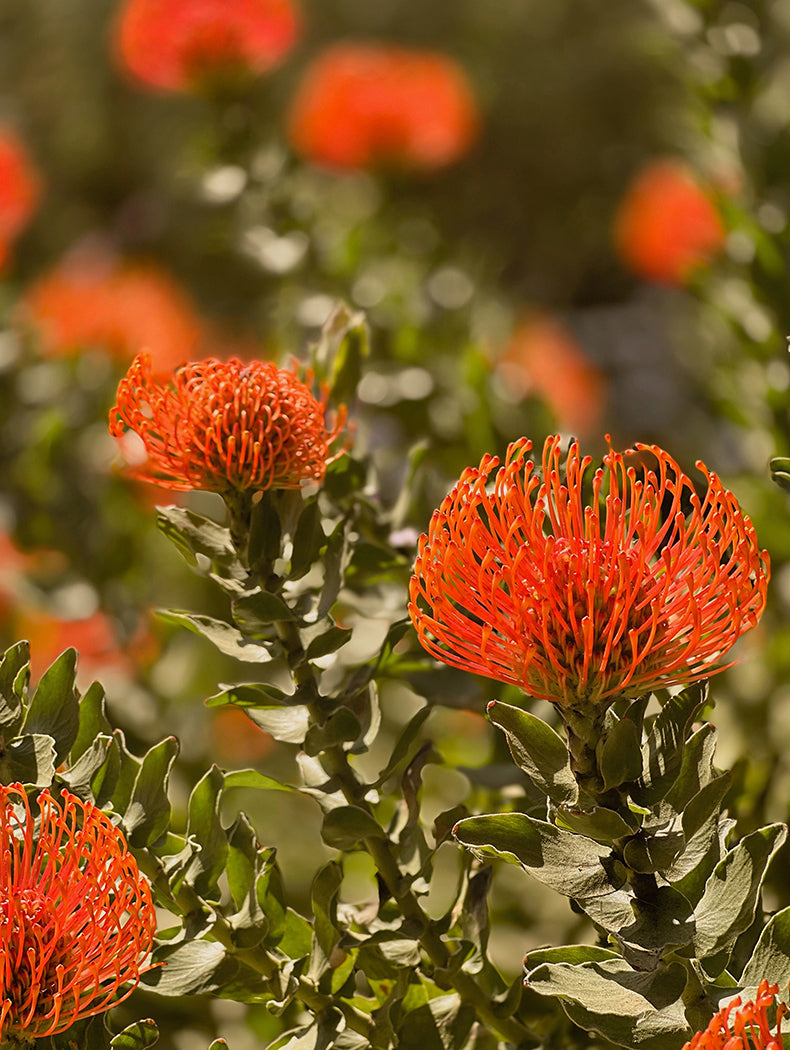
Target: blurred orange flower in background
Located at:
point(544, 359)
point(236, 739)
point(182, 45)
point(93, 637)
point(20, 190)
point(667, 226)
point(361, 106)
point(92, 300)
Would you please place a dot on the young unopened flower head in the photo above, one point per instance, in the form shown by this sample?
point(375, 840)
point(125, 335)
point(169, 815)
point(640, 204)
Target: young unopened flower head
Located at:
point(748, 1029)
point(76, 917)
point(224, 425)
point(645, 586)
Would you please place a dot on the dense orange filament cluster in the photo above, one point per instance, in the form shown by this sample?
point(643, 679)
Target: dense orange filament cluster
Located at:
point(76, 916)
point(224, 425)
point(749, 1028)
point(644, 586)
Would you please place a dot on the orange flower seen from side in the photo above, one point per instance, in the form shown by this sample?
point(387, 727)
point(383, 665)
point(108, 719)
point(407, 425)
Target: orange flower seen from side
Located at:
point(644, 587)
point(182, 45)
point(667, 226)
point(20, 189)
point(749, 1029)
point(364, 106)
point(76, 917)
point(94, 301)
point(224, 425)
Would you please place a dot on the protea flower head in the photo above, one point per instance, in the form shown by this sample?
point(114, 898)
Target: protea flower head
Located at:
point(227, 426)
point(646, 585)
point(370, 105)
point(181, 45)
point(749, 1028)
point(76, 917)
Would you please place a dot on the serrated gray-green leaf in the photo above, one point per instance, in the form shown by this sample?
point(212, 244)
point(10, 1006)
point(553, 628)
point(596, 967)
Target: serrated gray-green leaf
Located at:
point(92, 721)
point(204, 826)
point(664, 744)
point(14, 676)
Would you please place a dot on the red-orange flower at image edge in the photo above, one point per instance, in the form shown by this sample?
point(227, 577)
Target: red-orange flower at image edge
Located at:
point(20, 189)
point(76, 917)
point(749, 1029)
point(645, 587)
point(369, 105)
point(179, 45)
point(224, 425)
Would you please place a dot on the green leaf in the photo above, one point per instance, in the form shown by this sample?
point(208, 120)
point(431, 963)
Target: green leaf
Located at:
point(662, 750)
point(308, 540)
point(191, 968)
point(730, 898)
point(251, 778)
point(148, 814)
point(619, 752)
point(83, 774)
point(265, 531)
point(341, 727)
point(54, 709)
point(337, 357)
point(780, 471)
point(569, 863)
point(138, 1036)
point(204, 827)
point(770, 959)
point(443, 1023)
point(569, 953)
point(251, 694)
point(193, 534)
point(660, 924)
point(624, 1005)
point(226, 638)
point(324, 896)
point(603, 825)
point(92, 721)
point(14, 677)
point(538, 750)
point(329, 640)
point(30, 759)
point(345, 828)
point(696, 769)
point(259, 610)
point(289, 724)
point(404, 749)
point(335, 561)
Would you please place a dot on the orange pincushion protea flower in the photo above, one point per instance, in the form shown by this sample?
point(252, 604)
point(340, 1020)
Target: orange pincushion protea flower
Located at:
point(667, 226)
point(749, 1029)
point(224, 425)
point(76, 916)
point(365, 105)
point(20, 188)
point(643, 588)
point(180, 44)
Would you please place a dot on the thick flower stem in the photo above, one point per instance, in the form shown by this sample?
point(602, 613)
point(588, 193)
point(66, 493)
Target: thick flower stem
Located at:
point(381, 851)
